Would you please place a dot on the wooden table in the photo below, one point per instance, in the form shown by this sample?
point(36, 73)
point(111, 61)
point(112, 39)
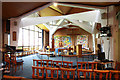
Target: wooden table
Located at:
point(59, 50)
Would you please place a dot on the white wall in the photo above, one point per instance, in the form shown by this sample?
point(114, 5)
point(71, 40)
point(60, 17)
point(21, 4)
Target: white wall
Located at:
point(14, 28)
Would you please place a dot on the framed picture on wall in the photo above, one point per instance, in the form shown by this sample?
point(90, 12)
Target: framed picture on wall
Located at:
point(14, 35)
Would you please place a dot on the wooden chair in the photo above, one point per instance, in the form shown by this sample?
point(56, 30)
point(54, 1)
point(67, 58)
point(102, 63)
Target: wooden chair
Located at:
point(16, 62)
point(116, 74)
point(84, 71)
point(93, 65)
point(117, 65)
point(101, 72)
point(36, 70)
point(51, 73)
point(83, 65)
point(7, 60)
point(37, 62)
point(47, 62)
point(84, 68)
point(63, 70)
point(57, 64)
point(67, 64)
point(6, 77)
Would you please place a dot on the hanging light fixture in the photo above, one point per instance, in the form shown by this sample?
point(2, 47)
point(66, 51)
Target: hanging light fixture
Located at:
point(55, 4)
point(106, 30)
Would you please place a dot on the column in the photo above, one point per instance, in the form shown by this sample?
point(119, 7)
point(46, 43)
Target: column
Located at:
point(112, 21)
point(0, 38)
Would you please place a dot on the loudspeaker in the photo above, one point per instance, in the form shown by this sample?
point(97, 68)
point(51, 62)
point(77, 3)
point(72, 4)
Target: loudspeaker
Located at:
point(7, 26)
point(101, 56)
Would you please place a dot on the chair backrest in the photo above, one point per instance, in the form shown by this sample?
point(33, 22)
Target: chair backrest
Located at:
point(47, 62)
point(70, 73)
point(51, 72)
point(116, 74)
point(37, 62)
point(57, 64)
point(6, 77)
point(36, 71)
point(101, 72)
point(83, 65)
point(67, 64)
point(13, 59)
point(117, 65)
point(7, 58)
point(92, 65)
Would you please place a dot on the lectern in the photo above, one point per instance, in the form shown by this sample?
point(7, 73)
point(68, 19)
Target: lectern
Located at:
point(79, 50)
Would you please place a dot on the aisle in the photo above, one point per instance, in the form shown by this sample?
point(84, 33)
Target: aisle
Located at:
point(27, 67)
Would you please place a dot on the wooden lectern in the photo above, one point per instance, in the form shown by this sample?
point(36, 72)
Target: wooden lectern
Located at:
point(79, 50)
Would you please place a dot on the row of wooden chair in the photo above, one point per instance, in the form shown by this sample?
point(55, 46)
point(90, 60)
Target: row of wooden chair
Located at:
point(51, 63)
point(84, 67)
point(102, 74)
point(12, 60)
point(71, 72)
point(49, 70)
point(25, 53)
point(6, 77)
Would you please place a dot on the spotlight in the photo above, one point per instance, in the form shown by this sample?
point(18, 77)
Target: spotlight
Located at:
point(55, 4)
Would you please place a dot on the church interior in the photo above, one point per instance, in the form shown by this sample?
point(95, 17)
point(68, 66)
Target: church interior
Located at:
point(60, 40)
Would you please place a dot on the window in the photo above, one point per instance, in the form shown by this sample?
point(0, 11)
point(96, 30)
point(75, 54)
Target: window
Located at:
point(30, 36)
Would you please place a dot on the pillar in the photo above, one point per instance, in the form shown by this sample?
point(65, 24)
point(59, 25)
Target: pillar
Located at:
point(112, 21)
point(0, 38)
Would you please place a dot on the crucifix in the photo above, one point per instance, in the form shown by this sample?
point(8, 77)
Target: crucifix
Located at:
point(73, 34)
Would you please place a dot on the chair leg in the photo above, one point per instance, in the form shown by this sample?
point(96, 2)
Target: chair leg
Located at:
point(90, 76)
point(116, 76)
point(78, 75)
point(106, 76)
point(94, 75)
point(110, 75)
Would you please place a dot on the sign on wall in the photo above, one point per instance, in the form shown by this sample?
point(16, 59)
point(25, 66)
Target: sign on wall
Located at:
point(83, 40)
point(14, 36)
point(62, 41)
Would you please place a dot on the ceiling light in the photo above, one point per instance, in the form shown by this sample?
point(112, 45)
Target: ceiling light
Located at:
point(55, 4)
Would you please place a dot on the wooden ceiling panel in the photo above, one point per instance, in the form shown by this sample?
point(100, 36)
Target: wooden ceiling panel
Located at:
point(78, 10)
point(64, 9)
point(15, 9)
point(102, 4)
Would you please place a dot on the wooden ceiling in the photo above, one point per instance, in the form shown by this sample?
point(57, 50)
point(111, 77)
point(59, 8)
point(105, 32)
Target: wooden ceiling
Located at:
point(99, 4)
point(65, 10)
point(15, 9)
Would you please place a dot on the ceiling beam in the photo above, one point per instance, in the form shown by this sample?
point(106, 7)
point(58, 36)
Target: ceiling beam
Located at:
point(59, 22)
point(69, 10)
point(35, 10)
point(82, 25)
point(81, 6)
point(56, 11)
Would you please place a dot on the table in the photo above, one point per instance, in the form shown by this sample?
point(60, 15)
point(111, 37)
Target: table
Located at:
point(59, 50)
